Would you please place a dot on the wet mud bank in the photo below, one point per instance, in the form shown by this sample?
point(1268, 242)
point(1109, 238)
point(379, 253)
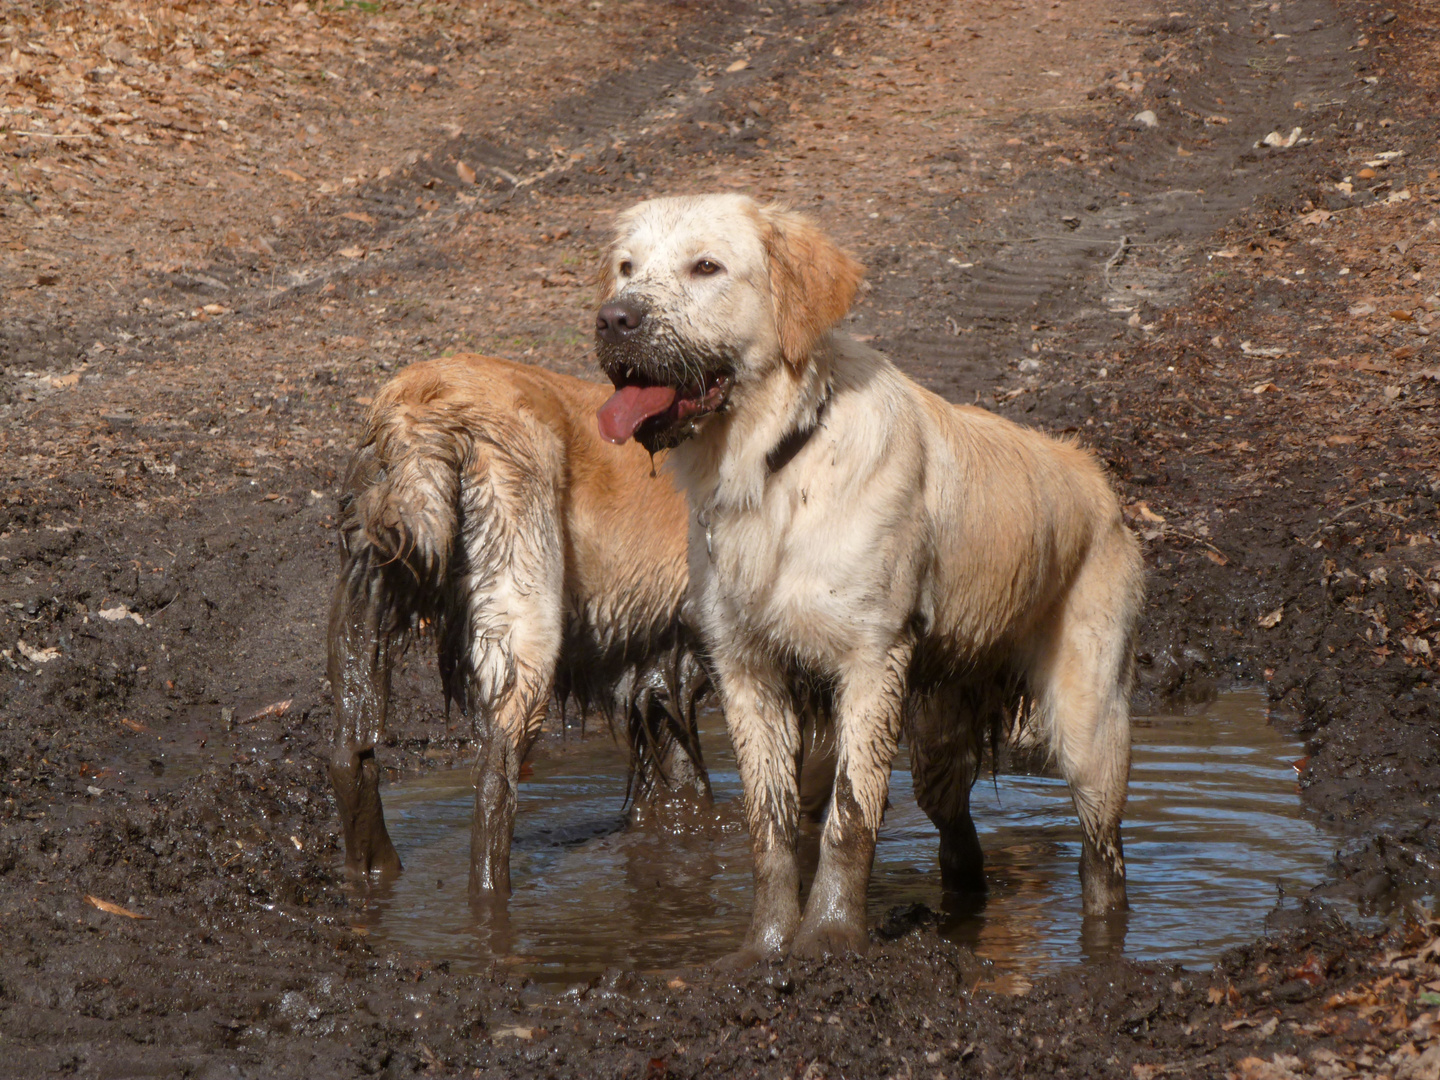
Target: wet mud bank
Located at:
point(170, 894)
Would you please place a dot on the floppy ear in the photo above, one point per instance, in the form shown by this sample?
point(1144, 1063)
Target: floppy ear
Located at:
point(605, 274)
point(812, 280)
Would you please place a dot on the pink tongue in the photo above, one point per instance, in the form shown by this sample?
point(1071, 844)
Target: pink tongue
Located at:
point(631, 406)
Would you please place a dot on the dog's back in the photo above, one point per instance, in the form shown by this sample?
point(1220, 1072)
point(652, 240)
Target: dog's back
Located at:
point(517, 447)
point(1030, 510)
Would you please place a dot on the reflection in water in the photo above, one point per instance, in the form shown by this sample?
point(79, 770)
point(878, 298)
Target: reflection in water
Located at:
point(1213, 825)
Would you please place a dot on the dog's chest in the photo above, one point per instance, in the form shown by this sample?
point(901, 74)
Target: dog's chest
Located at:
point(802, 579)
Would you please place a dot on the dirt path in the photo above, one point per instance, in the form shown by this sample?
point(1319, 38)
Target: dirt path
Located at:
point(223, 226)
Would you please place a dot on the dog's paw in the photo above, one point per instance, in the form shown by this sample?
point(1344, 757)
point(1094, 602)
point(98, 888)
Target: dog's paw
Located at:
point(743, 960)
point(830, 939)
point(376, 860)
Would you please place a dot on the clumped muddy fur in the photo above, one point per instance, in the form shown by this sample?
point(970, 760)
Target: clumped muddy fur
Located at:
point(481, 513)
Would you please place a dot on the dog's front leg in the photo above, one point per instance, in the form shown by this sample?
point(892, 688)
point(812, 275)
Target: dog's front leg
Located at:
point(766, 733)
point(869, 704)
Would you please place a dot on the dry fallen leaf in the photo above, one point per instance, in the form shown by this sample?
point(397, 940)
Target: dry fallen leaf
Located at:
point(513, 1033)
point(291, 174)
point(1271, 351)
point(353, 252)
point(37, 656)
point(1282, 142)
point(464, 172)
point(113, 909)
point(1316, 217)
point(738, 65)
point(1281, 1067)
point(360, 216)
point(1272, 619)
point(276, 709)
point(1264, 387)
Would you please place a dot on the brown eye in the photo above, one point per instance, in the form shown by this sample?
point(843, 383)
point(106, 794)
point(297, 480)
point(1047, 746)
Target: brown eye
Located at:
point(707, 267)
point(626, 268)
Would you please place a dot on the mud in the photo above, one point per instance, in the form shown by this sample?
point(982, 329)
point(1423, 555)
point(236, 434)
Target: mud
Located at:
point(1215, 835)
point(167, 516)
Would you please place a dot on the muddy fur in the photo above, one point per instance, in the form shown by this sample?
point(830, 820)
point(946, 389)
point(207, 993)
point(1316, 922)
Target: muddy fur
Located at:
point(543, 565)
point(934, 565)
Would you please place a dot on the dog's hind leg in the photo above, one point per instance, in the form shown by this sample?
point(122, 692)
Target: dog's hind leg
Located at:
point(360, 640)
point(396, 527)
point(1081, 682)
point(945, 735)
point(501, 643)
point(507, 732)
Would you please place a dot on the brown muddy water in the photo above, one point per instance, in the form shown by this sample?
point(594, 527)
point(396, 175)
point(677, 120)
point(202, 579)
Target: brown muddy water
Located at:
point(1213, 832)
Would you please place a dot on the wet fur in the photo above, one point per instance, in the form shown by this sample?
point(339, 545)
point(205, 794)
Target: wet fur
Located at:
point(940, 569)
point(483, 511)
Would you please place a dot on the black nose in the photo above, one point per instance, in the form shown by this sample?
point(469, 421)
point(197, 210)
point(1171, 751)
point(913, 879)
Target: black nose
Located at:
point(617, 320)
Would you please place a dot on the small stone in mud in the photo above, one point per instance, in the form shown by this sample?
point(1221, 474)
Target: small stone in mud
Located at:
point(1146, 118)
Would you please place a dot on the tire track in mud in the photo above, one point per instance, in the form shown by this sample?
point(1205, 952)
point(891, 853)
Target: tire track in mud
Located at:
point(677, 102)
point(1056, 259)
point(672, 102)
point(1087, 255)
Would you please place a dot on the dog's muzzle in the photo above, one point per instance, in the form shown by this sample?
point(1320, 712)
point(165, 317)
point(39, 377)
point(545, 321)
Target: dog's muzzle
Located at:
point(661, 392)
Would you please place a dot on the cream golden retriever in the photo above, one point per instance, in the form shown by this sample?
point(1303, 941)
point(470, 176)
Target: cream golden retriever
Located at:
point(483, 509)
point(936, 567)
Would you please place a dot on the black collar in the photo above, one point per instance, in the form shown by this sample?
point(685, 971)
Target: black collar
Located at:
point(786, 449)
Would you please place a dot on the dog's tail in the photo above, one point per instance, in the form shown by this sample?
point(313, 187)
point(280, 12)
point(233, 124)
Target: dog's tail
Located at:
point(400, 505)
point(398, 526)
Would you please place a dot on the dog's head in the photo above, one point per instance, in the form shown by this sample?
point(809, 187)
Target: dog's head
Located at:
point(703, 294)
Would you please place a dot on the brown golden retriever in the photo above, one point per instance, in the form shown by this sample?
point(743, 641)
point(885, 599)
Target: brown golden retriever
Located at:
point(482, 508)
point(938, 568)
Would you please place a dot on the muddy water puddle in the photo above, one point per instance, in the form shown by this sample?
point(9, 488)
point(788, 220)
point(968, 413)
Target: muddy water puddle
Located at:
point(1213, 831)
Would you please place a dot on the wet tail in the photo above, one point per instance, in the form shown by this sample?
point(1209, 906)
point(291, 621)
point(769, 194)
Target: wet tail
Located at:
point(398, 524)
point(401, 497)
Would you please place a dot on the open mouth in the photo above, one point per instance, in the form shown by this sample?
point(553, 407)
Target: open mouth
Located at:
point(657, 416)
